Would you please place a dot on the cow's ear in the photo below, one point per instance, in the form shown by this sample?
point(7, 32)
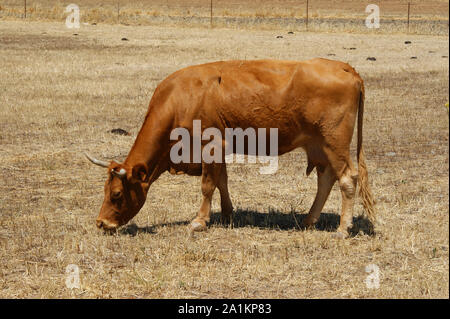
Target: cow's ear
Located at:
point(140, 172)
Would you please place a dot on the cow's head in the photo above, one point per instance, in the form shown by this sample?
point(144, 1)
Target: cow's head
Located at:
point(125, 193)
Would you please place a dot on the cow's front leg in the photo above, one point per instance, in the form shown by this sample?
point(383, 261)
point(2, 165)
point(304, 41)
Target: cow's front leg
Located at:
point(210, 178)
point(225, 201)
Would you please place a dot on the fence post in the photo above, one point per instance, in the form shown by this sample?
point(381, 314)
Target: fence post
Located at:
point(118, 12)
point(409, 6)
point(25, 9)
point(307, 14)
point(211, 15)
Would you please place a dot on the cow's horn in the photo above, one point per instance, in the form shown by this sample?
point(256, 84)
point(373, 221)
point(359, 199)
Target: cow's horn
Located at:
point(96, 161)
point(121, 173)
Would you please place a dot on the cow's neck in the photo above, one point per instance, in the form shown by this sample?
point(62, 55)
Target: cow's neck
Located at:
point(150, 146)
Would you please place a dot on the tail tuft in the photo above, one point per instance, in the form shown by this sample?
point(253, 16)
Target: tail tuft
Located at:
point(363, 177)
point(364, 189)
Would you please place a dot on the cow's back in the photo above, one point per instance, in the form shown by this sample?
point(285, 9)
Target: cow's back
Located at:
point(293, 96)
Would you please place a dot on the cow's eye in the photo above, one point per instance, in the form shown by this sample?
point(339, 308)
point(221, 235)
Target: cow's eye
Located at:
point(116, 194)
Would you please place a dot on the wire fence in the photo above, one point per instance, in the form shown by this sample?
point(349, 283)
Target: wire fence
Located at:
point(425, 17)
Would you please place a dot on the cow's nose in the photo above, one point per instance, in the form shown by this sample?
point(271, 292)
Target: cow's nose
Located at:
point(105, 224)
point(99, 223)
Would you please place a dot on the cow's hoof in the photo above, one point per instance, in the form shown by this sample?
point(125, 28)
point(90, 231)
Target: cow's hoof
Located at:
point(308, 225)
point(225, 220)
point(197, 225)
point(339, 235)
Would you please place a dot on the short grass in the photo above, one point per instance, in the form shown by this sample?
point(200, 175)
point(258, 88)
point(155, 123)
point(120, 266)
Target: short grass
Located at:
point(61, 94)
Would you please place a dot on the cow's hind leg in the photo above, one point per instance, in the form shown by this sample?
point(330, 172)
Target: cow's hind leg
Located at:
point(225, 201)
point(210, 179)
point(347, 176)
point(325, 182)
point(347, 184)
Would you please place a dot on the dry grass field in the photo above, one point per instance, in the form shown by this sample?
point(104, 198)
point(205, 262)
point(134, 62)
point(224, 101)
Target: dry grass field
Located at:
point(62, 91)
point(427, 16)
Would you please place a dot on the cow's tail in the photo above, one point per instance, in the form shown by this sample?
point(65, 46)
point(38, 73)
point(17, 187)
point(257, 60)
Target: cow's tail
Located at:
point(363, 177)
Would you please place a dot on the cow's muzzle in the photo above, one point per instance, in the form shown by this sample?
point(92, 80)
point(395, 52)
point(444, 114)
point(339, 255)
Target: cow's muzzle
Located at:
point(105, 225)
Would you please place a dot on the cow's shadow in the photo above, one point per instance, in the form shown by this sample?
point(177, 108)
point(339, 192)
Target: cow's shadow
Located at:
point(133, 229)
point(273, 219)
point(278, 220)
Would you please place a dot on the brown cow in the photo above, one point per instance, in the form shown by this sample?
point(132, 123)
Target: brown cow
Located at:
point(314, 104)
